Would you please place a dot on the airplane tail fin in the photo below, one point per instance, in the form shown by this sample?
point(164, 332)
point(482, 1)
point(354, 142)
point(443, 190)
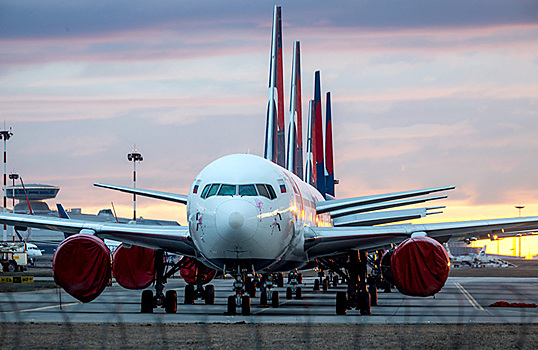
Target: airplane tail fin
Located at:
point(317, 138)
point(329, 165)
point(61, 211)
point(309, 166)
point(63, 214)
point(295, 139)
point(482, 251)
point(275, 147)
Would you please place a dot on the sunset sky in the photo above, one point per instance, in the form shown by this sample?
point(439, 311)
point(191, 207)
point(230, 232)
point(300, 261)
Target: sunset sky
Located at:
point(425, 94)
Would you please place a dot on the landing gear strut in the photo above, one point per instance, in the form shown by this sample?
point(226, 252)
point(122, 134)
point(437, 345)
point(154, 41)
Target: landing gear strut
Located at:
point(243, 287)
point(168, 301)
point(353, 270)
point(294, 278)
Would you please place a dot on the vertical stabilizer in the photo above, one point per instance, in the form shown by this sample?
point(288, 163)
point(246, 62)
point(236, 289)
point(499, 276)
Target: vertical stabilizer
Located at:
point(329, 161)
point(309, 166)
point(274, 133)
point(295, 133)
point(317, 138)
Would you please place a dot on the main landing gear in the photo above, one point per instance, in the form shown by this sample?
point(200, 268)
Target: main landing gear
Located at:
point(353, 270)
point(168, 301)
point(268, 296)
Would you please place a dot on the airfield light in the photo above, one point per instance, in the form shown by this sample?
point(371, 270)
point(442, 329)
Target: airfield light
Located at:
point(134, 157)
point(13, 177)
point(5, 135)
point(519, 207)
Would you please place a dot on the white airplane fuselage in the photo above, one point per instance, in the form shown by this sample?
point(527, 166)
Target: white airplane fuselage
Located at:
point(243, 209)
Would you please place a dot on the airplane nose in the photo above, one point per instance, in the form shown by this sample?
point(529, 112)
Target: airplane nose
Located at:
point(237, 220)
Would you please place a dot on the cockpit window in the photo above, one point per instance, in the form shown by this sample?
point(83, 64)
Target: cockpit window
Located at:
point(272, 194)
point(213, 190)
point(204, 192)
point(227, 190)
point(247, 190)
point(264, 190)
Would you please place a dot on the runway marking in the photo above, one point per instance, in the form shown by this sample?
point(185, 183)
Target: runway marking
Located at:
point(469, 297)
point(39, 308)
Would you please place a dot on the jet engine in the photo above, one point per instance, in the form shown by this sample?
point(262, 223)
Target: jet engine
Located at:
point(134, 267)
point(193, 271)
point(419, 266)
point(81, 266)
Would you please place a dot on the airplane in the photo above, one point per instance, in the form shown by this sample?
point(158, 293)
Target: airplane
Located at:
point(250, 215)
point(481, 259)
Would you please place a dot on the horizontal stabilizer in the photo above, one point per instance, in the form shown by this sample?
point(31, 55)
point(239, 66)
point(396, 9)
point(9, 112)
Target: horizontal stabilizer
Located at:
point(171, 197)
point(380, 206)
point(331, 206)
point(383, 217)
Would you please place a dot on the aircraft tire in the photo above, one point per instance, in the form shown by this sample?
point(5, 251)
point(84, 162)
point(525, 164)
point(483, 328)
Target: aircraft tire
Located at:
point(364, 303)
point(335, 281)
point(275, 303)
point(146, 304)
point(299, 293)
point(289, 294)
point(209, 294)
point(325, 284)
point(316, 284)
point(373, 296)
point(189, 294)
point(231, 305)
point(170, 302)
point(341, 303)
point(263, 298)
point(245, 305)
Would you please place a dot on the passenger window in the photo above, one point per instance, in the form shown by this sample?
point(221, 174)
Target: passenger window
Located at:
point(227, 190)
point(213, 190)
point(263, 191)
point(204, 192)
point(247, 190)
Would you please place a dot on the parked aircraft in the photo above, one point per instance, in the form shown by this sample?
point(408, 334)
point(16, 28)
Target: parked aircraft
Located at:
point(264, 219)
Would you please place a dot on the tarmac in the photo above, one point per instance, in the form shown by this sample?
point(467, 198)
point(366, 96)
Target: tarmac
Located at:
point(463, 300)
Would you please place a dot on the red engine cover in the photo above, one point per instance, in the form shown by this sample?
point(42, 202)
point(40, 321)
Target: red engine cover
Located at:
point(134, 268)
point(81, 266)
point(193, 271)
point(420, 266)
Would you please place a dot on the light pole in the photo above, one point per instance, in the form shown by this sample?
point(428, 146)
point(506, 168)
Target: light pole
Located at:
point(5, 135)
point(134, 157)
point(519, 207)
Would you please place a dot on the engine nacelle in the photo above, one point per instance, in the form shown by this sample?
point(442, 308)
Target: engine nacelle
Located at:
point(134, 267)
point(419, 266)
point(193, 271)
point(81, 266)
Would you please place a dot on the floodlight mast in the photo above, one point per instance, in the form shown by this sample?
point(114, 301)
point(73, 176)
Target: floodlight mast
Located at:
point(5, 135)
point(134, 157)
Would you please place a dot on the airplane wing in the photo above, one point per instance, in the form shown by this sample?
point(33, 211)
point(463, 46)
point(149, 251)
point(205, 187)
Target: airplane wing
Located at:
point(339, 207)
point(172, 197)
point(324, 241)
point(175, 239)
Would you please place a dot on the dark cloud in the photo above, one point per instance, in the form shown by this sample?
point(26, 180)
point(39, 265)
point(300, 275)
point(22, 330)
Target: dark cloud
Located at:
point(72, 19)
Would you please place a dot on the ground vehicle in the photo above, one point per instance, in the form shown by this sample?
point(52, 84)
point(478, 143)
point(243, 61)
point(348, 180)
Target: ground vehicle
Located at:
point(13, 256)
